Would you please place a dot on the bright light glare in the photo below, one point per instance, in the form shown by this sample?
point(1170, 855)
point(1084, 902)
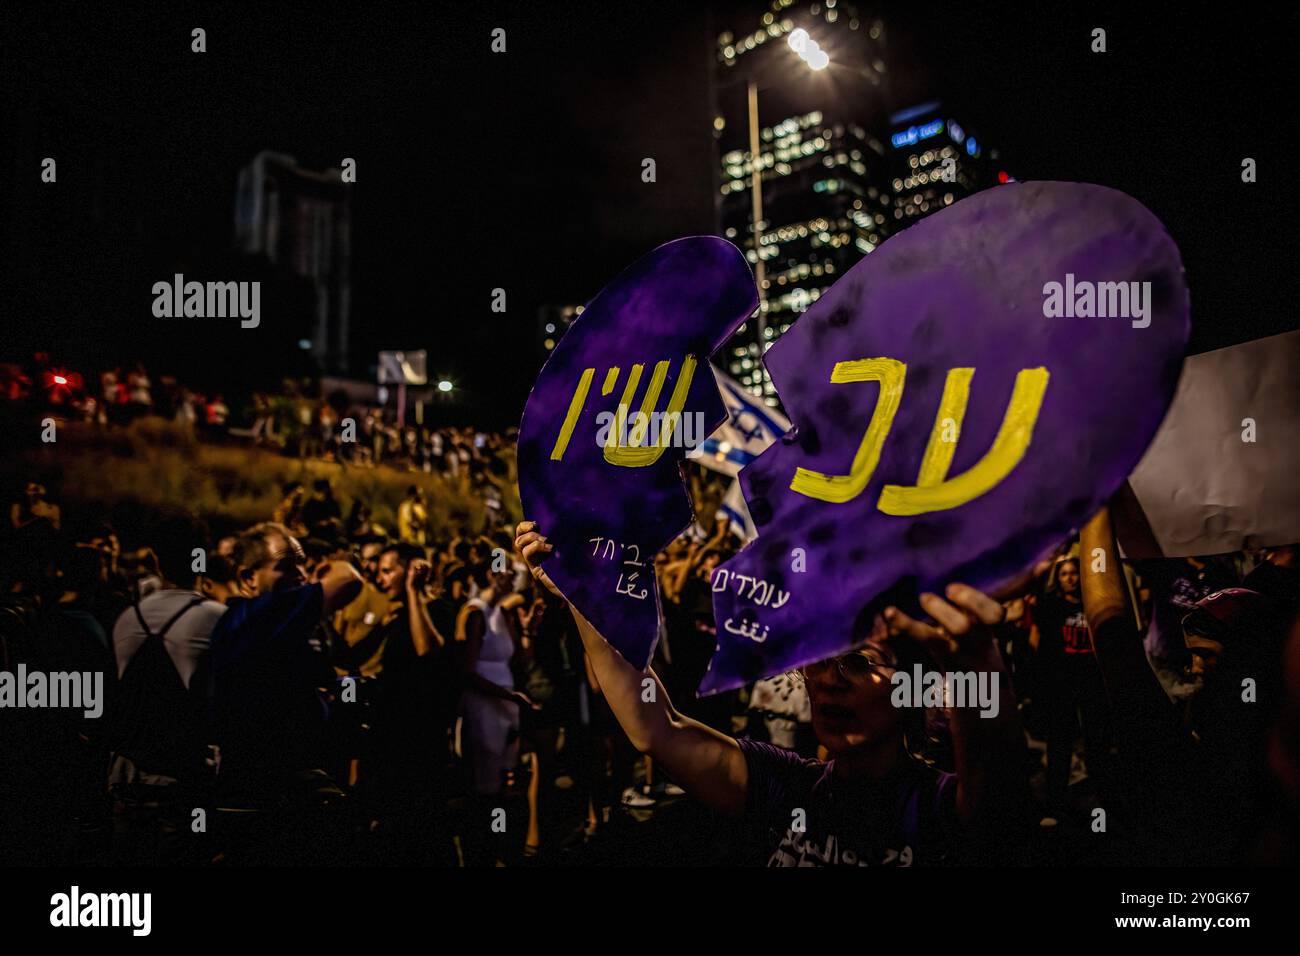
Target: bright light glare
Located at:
point(798, 40)
point(444, 386)
point(818, 59)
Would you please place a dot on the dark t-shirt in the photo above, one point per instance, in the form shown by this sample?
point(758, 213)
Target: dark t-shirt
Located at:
point(907, 819)
point(1062, 626)
point(267, 667)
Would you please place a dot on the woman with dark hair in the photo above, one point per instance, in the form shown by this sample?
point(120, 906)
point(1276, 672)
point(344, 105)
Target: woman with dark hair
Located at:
point(1070, 685)
point(872, 803)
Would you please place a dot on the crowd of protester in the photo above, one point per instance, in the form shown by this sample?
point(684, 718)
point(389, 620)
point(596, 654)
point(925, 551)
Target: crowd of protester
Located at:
point(296, 420)
point(316, 689)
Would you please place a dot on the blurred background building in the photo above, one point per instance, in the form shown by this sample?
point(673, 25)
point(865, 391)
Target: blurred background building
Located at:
point(300, 220)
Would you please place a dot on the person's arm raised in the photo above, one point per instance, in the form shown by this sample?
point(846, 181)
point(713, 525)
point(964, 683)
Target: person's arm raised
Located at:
point(708, 765)
point(341, 584)
point(1138, 702)
point(424, 635)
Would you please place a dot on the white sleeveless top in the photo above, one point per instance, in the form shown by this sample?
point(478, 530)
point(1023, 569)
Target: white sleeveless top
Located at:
point(498, 646)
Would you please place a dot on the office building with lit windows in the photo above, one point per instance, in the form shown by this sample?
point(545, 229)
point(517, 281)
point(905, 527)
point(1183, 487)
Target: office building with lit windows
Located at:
point(809, 79)
point(300, 220)
point(935, 161)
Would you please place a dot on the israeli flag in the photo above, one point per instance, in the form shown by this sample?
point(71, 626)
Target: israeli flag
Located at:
point(733, 506)
point(750, 427)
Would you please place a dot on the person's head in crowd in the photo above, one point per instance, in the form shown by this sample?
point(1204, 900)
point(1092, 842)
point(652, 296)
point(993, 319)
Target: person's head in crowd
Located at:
point(226, 546)
point(1066, 578)
point(175, 540)
point(493, 586)
point(393, 564)
point(1235, 636)
point(850, 698)
point(413, 493)
point(372, 546)
point(321, 488)
point(268, 558)
point(1227, 626)
point(217, 582)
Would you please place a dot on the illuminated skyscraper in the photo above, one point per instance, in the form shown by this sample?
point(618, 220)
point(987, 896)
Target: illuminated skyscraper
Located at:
point(807, 80)
point(935, 161)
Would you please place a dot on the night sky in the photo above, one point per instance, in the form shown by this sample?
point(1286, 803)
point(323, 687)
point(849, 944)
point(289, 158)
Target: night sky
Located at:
point(522, 170)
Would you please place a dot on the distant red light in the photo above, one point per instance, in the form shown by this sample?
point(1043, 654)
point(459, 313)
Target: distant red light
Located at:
point(1003, 178)
point(61, 381)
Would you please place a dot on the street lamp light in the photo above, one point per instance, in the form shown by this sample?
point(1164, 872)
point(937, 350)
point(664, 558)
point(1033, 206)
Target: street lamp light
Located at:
point(817, 59)
point(808, 49)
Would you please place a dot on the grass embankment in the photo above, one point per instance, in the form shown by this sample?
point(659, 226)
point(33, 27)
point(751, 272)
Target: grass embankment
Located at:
point(153, 466)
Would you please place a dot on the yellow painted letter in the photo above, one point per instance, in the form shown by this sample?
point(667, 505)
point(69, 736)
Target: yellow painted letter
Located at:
point(571, 418)
point(841, 488)
point(640, 457)
point(931, 491)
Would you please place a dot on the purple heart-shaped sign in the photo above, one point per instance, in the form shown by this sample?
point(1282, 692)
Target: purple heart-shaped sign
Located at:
point(626, 393)
point(964, 398)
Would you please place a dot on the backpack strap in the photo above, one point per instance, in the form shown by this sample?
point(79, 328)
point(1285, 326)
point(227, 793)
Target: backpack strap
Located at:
point(193, 602)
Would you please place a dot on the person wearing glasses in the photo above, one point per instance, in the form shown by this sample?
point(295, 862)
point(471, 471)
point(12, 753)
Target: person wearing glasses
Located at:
point(872, 803)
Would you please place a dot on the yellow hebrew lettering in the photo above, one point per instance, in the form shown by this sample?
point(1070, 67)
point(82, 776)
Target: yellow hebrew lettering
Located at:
point(640, 457)
point(571, 418)
point(620, 419)
point(890, 373)
point(932, 492)
point(952, 406)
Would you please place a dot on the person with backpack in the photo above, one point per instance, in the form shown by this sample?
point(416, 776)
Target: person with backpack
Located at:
point(158, 736)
